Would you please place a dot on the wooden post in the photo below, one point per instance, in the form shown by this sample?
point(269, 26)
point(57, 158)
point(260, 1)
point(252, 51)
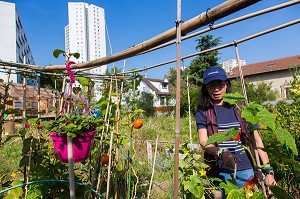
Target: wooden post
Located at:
point(149, 151)
point(177, 116)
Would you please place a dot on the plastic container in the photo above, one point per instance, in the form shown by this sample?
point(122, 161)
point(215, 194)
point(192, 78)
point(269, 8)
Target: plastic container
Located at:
point(81, 146)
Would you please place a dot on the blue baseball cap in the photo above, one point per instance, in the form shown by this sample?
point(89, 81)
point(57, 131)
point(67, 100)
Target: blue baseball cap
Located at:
point(214, 73)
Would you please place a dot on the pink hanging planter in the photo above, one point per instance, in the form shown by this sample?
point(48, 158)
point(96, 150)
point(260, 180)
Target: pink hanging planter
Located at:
point(81, 146)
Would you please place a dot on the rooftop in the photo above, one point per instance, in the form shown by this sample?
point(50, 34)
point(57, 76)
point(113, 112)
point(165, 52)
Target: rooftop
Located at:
point(266, 66)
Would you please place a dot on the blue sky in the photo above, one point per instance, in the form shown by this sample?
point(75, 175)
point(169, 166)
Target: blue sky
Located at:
point(131, 22)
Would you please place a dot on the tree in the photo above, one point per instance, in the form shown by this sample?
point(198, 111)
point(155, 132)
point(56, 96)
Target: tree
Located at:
point(145, 102)
point(48, 81)
point(205, 60)
point(259, 92)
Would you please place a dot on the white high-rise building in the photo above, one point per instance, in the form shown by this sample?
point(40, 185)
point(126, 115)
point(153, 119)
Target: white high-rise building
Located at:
point(14, 46)
point(85, 34)
point(230, 64)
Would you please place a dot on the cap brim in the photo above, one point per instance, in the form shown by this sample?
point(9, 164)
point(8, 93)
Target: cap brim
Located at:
point(206, 81)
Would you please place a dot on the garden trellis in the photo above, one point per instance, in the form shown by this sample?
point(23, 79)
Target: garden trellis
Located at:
point(158, 42)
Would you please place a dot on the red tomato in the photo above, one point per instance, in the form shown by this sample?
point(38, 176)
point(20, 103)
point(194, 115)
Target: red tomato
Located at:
point(137, 124)
point(238, 137)
point(40, 126)
point(104, 159)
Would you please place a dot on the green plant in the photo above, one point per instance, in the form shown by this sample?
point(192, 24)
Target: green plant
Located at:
point(73, 125)
point(257, 114)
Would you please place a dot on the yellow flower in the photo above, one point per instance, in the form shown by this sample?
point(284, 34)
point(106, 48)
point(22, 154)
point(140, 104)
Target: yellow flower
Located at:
point(202, 172)
point(186, 152)
point(13, 174)
point(249, 193)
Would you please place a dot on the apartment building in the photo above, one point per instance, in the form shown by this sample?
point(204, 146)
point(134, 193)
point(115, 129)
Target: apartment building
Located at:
point(14, 46)
point(85, 34)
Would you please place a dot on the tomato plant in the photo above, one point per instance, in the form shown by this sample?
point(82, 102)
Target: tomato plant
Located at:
point(137, 124)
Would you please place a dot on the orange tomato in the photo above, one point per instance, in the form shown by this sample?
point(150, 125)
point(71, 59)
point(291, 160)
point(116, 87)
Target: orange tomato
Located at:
point(137, 124)
point(104, 159)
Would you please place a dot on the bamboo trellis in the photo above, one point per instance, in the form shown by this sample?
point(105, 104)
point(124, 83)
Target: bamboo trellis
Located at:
point(163, 40)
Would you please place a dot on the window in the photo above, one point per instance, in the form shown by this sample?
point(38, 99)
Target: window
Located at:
point(164, 85)
point(18, 105)
point(162, 100)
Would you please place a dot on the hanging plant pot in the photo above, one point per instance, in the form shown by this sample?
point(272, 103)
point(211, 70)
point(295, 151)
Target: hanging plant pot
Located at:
point(81, 146)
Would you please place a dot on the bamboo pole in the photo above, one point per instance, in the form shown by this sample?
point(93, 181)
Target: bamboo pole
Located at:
point(24, 120)
point(118, 113)
point(102, 136)
point(177, 116)
point(241, 73)
point(261, 182)
point(130, 150)
point(153, 167)
point(6, 93)
point(218, 12)
point(62, 96)
point(39, 109)
point(219, 47)
point(24, 102)
point(226, 23)
point(189, 104)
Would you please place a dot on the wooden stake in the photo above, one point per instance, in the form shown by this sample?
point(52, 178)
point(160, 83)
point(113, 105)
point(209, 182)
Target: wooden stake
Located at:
point(153, 167)
point(177, 116)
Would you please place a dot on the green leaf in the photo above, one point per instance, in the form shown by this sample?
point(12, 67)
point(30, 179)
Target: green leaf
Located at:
point(249, 113)
point(76, 55)
point(222, 137)
point(75, 89)
point(16, 182)
point(194, 186)
point(279, 192)
point(233, 98)
point(17, 192)
point(22, 132)
point(2, 106)
point(57, 52)
point(26, 145)
point(231, 185)
point(285, 137)
point(10, 102)
point(11, 111)
point(258, 195)
point(236, 194)
point(1, 80)
point(195, 179)
point(84, 81)
point(266, 118)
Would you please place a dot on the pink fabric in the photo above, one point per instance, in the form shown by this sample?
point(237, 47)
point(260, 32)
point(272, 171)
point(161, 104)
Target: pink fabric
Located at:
point(81, 146)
